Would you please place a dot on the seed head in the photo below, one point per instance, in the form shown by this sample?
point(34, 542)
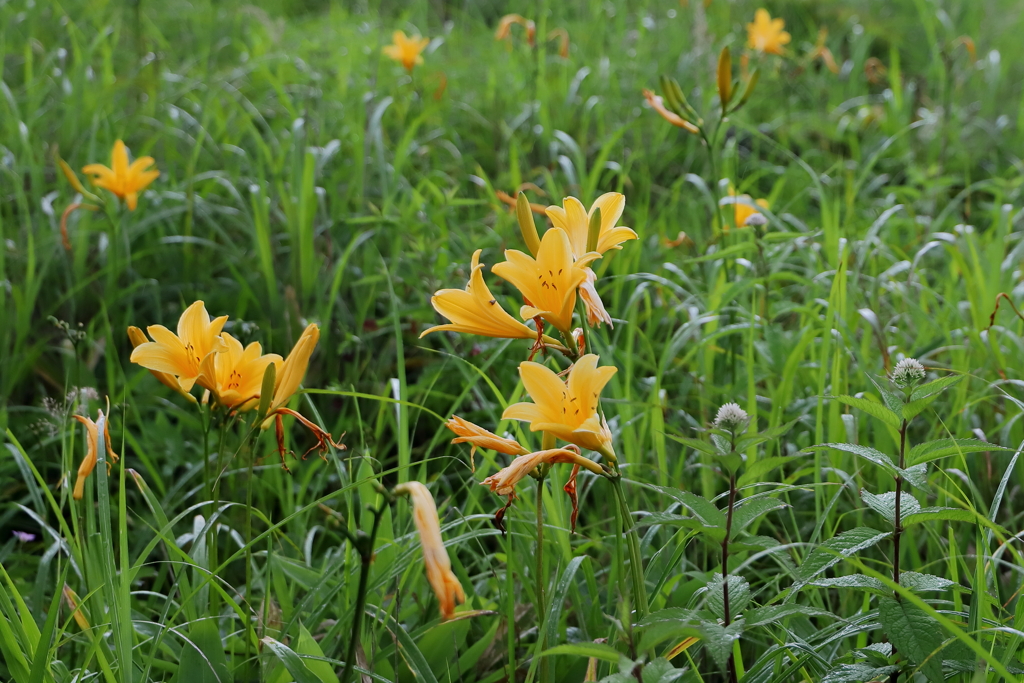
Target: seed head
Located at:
point(731, 418)
point(907, 373)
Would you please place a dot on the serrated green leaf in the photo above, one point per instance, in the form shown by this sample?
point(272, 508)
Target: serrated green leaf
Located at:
point(739, 595)
point(760, 616)
point(858, 673)
point(871, 408)
point(695, 444)
point(939, 514)
point(745, 515)
point(755, 473)
point(661, 670)
point(914, 408)
point(914, 633)
point(872, 455)
point(916, 475)
point(718, 639)
point(885, 505)
point(703, 509)
point(942, 448)
point(834, 550)
point(935, 388)
point(912, 580)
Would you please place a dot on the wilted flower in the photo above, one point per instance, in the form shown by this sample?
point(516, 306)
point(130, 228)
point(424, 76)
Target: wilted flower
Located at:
point(566, 410)
point(765, 34)
point(731, 418)
point(435, 557)
point(658, 105)
point(124, 180)
point(478, 437)
point(405, 50)
point(596, 312)
point(505, 28)
point(504, 481)
point(92, 432)
point(907, 373)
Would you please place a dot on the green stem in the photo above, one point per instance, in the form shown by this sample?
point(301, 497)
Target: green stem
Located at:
point(540, 569)
point(364, 545)
point(250, 634)
point(636, 566)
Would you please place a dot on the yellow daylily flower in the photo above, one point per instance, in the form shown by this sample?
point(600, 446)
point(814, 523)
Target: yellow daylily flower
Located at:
point(566, 410)
point(478, 437)
point(180, 355)
point(575, 221)
point(742, 211)
point(406, 50)
point(547, 283)
point(92, 432)
point(293, 369)
point(504, 481)
point(137, 338)
point(435, 557)
point(124, 180)
point(658, 105)
point(235, 375)
point(475, 311)
point(765, 34)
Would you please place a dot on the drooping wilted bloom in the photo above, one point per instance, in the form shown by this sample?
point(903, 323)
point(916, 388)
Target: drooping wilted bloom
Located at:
point(92, 431)
point(478, 437)
point(504, 481)
point(435, 557)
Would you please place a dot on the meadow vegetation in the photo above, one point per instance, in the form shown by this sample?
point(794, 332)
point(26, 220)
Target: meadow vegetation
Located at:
point(767, 433)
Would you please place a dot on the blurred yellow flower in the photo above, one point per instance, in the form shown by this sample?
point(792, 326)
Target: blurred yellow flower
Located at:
point(504, 481)
point(566, 410)
point(575, 221)
point(235, 375)
point(124, 180)
point(765, 34)
point(180, 355)
point(475, 311)
point(435, 557)
point(547, 283)
point(406, 50)
point(92, 432)
point(742, 211)
point(658, 105)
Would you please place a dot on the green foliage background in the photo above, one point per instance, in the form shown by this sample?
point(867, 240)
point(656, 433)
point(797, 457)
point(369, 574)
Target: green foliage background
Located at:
point(306, 178)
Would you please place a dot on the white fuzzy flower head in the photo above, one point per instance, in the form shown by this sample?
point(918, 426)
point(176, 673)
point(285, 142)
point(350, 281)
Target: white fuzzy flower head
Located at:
point(757, 220)
point(731, 418)
point(907, 373)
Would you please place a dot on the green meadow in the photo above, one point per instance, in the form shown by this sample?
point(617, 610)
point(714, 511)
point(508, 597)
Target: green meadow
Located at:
point(769, 433)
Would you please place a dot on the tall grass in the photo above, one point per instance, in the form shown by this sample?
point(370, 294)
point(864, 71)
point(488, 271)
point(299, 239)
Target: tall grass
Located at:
point(304, 177)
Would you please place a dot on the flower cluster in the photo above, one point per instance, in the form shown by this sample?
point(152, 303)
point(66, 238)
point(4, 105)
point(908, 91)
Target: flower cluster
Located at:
point(232, 376)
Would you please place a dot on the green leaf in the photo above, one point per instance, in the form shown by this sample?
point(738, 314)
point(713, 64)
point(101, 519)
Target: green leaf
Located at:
point(755, 473)
point(745, 515)
point(914, 634)
point(308, 646)
point(858, 673)
point(601, 651)
point(835, 550)
point(872, 408)
point(267, 390)
point(761, 616)
point(872, 455)
point(661, 670)
point(914, 408)
point(703, 509)
point(296, 667)
point(718, 639)
point(695, 444)
point(202, 655)
point(942, 448)
point(911, 580)
point(935, 388)
point(916, 475)
point(885, 505)
point(739, 595)
point(936, 514)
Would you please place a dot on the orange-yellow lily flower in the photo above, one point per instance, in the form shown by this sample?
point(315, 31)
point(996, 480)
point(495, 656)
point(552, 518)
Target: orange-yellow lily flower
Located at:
point(575, 221)
point(505, 28)
point(742, 211)
point(765, 34)
point(658, 105)
point(92, 432)
point(180, 355)
point(549, 282)
point(504, 481)
point(406, 50)
point(596, 312)
point(566, 410)
point(137, 338)
point(435, 557)
point(478, 437)
point(235, 375)
point(124, 180)
point(475, 311)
